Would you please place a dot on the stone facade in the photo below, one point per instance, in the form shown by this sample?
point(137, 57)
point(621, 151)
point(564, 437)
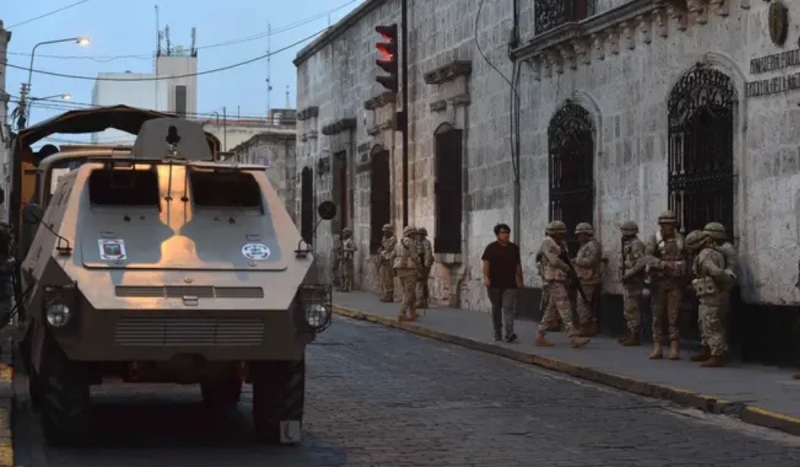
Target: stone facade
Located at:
point(5, 129)
point(275, 148)
point(619, 65)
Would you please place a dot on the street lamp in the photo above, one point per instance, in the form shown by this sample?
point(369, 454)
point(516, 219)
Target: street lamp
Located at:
point(23, 113)
point(65, 97)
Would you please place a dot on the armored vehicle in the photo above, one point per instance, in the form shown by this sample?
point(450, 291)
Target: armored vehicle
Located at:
point(163, 264)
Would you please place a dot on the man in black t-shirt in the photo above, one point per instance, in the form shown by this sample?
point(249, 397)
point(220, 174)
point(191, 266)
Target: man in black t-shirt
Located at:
point(502, 275)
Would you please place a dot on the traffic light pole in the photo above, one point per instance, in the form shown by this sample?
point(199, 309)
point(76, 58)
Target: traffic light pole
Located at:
point(404, 123)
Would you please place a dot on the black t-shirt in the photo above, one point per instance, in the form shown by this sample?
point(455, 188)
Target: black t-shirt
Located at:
point(503, 262)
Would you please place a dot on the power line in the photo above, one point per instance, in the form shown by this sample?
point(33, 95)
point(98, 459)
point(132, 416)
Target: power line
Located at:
point(47, 14)
point(252, 37)
point(164, 78)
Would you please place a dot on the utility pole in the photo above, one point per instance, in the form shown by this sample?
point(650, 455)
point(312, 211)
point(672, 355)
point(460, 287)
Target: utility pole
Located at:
point(404, 123)
point(269, 83)
point(225, 128)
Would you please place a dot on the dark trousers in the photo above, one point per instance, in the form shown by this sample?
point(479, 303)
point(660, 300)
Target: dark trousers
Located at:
point(504, 308)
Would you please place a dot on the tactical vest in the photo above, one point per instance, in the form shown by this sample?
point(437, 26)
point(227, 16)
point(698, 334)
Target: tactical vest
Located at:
point(550, 272)
point(406, 254)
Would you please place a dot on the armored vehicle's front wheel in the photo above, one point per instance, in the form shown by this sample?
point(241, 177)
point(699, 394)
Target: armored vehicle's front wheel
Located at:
point(66, 406)
point(222, 393)
point(278, 397)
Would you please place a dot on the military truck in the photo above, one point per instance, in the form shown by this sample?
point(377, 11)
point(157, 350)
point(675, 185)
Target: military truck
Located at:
point(166, 265)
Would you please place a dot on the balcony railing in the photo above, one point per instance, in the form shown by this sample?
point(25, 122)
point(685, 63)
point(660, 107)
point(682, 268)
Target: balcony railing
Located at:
point(553, 13)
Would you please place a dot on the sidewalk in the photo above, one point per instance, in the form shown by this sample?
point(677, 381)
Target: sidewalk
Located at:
point(759, 395)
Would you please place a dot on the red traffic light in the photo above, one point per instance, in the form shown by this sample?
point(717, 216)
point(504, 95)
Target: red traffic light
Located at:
point(388, 48)
point(388, 32)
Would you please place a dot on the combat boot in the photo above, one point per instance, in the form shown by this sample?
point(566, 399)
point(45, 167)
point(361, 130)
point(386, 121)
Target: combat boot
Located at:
point(592, 329)
point(542, 342)
point(797, 376)
point(414, 315)
point(673, 350)
point(714, 361)
point(705, 354)
point(656, 354)
point(402, 317)
point(633, 340)
point(576, 342)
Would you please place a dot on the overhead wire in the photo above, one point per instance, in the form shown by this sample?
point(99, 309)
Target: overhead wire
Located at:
point(46, 14)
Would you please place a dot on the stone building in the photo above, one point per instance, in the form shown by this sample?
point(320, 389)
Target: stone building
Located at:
point(5, 129)
point(274, 148)
point(522, 111)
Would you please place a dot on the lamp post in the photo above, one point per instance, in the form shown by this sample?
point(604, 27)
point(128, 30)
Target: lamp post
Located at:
point(26, 87)
point(64, 97)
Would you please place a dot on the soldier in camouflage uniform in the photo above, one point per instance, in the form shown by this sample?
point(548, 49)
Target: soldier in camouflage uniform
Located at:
point(385, 265)
point(348, 259)
point(337, 259)
point(426, 255)
point(556, 275)
point(632, 271)
point(587, 263)
point(406, 265)
point(666, 265)
point(718, 240)
point(711, 281)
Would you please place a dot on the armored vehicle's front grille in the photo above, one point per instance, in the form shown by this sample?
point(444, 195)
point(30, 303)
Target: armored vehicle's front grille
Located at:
point(180, 291)
point(189, 331)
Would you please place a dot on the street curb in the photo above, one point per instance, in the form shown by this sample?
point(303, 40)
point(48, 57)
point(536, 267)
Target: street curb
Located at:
point(711, 404)
point(6, 404)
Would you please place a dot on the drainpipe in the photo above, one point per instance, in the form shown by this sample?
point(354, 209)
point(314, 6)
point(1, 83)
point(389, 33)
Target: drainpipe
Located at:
point(514, 129)
point(404, 54)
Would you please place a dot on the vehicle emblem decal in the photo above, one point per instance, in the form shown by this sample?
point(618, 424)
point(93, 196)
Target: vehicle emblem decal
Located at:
point(255, 251)
point(111, 250)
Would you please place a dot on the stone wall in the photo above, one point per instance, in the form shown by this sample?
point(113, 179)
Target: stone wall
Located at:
point(621, 70)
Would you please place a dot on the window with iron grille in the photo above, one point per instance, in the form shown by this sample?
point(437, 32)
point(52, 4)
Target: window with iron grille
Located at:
point(550, 14)
point(571, 169)
point(700, 159)
point(307, 205)
point(180, 101)
point(380, 196)
point(449, 198)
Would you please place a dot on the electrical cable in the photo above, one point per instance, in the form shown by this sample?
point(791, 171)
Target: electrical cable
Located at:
point(164, 78)
point(46, 14)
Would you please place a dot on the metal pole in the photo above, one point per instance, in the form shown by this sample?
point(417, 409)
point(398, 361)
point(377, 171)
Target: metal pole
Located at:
point(225, 128)
point(404, 27)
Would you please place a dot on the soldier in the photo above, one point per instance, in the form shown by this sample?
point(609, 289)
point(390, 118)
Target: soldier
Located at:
point(631, 270)
point(718, 240)
point(337, 259)
point(666, 264)
point(426, 257)
point(587, 266)
point(348, 258)
point(711, 281)
point(385, 266)
point(556, 273)
point(406, 265)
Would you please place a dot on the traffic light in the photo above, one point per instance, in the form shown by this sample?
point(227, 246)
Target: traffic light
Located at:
point(388, 48)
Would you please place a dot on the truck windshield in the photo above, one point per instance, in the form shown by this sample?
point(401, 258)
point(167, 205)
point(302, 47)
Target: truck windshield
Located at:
point(123, 187)
point(214, 189)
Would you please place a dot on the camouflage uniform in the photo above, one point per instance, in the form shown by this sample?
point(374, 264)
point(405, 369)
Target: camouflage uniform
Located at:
point(426, 256)
point(587, 263)
point(666, 265)
point(348, 259)
point(631, 270)
point(385, 265)
point(406, 265)
point(337, 258)
point(555, 272)
point(711, 282)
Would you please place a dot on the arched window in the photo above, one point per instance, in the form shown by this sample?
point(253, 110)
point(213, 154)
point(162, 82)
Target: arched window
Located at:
point(380, 195)
point(701, 149)
point(449, 198)
point(571, 168)
point(307, 205)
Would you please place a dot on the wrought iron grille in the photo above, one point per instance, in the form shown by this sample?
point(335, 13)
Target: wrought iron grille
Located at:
point(549, 14)
point(448, 190)
point(701, 174)
point(571, 146)
point(380, 196)
point(307, 205)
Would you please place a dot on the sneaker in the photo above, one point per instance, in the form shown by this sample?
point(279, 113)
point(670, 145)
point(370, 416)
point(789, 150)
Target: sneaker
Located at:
point(511, 337)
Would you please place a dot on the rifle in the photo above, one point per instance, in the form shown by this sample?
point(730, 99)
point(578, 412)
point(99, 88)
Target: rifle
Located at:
point(573, 276)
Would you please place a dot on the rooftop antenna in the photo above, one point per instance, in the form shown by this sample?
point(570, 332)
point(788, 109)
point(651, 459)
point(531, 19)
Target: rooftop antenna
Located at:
point(194, 42)
point(158, 34)
point(169, 47)
point(287, 96)
point(269, 83)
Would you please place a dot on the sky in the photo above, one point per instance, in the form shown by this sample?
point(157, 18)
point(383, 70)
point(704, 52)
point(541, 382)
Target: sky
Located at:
point(122, 36)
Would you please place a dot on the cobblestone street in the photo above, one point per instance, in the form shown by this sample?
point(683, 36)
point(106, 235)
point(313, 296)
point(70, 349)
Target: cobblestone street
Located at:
point(383, 397)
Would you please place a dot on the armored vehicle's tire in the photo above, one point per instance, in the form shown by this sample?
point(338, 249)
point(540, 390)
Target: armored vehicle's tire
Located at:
point(66, 406)
point(222, 393)
point(278, 395)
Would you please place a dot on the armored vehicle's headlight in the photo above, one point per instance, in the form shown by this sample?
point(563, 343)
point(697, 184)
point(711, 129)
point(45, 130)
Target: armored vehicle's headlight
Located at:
point(316, 304)
point(58, 314)
point(317, 315)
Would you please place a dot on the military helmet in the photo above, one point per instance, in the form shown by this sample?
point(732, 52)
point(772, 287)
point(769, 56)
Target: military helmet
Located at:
point(347, 230)
point(715, 230)
point(667, 217)
point(422, 231)
point(556, 227)
point(584, 228)
point(629, 227)
point(387, 227)
point(409, 231)
point(696, 239)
